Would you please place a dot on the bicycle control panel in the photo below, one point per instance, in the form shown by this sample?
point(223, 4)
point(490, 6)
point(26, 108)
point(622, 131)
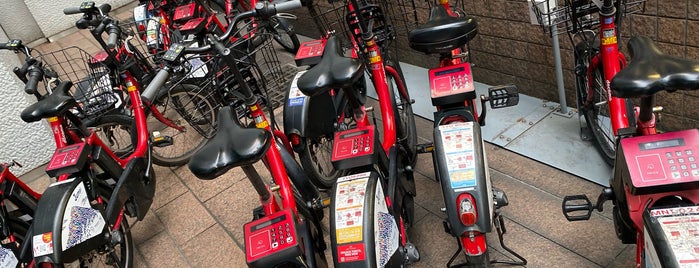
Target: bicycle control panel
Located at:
point(659, 160)
point(271, 240)
point(354, 147)
point(452, 84)
point(68, 159)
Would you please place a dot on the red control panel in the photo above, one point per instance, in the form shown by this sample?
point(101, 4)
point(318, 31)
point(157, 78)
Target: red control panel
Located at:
point(310, 52)
point(185, 12)
point(193, 26)
point(274, 236)
point(451, 84)
point(662, 159)
point(68, 159)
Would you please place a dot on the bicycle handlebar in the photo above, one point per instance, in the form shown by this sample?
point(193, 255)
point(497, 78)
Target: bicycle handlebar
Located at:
point(113, 31)
point(35, 75)
point(261, 9)
point(72, 10)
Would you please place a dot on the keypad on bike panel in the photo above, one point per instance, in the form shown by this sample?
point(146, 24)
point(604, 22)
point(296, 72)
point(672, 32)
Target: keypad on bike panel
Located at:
point(68, 159)
point(271, 240)
point(185, 12)
point(310, 52)
point(354, 147)
point(663, 160)
point(193, 26)
point(451, 84)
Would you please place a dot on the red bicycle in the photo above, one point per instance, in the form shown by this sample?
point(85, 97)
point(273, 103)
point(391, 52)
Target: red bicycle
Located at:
point(109, 115)
point(286, 229)
point(16, 217)
point(655, 183)
point(318, 107)
point(472, 203)
point(81, 217)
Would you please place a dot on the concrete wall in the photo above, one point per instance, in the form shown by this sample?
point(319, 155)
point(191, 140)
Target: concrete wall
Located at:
point(31, 20)
point(509, 49)
point(30, 144)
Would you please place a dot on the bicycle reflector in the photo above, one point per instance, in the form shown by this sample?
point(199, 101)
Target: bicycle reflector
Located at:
point(466, 205)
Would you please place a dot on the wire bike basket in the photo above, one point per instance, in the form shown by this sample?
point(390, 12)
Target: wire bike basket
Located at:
point(575, 15)
point(92, 86)
point(392, 19)
point(210, 85)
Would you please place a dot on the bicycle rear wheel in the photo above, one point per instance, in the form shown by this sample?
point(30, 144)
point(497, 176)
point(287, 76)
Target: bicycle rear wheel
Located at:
point(316, 160)
point(185, 142)
point(594, 105)
point(406, 132)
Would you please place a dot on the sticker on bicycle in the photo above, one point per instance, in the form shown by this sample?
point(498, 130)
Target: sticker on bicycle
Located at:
point(349, 209)
point(609, 37)
point(42, 244)
point(80, 221)
point(7, 258)
point(386, 234)
point(351, 252)
point(296, 97)
point(680, 227)
point(459, 153)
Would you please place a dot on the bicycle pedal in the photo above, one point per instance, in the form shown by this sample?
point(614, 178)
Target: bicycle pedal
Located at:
point(161, 141)
point(573, 205)
point(425, 148)
point(503, 96)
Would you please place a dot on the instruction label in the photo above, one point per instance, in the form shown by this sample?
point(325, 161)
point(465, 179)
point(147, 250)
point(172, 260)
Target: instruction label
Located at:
point(349, 207)
point(459, 153)
point(681, 230)
point(351, 252)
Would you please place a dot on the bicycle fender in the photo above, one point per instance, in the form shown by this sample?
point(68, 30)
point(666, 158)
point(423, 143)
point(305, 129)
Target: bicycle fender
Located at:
point(65, 225)
point(363, 231)
point(467, 172)
point(135, 186)
point(306, 116)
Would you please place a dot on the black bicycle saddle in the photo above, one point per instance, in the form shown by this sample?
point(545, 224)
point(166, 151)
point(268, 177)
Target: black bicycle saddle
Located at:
point(651, 71)
point(232, 146)
point(442, 32)
point(333, 71)
point(57, 103)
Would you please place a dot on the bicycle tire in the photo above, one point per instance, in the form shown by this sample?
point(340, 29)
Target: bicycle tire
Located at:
point(284, 34)
point(118, 131)
point(125, 248)
point(593, 103)
point(186, 142)
point(315, 156)
point(406, 131)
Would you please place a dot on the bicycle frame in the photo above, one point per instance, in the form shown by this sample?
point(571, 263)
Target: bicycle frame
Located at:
point(612, 61)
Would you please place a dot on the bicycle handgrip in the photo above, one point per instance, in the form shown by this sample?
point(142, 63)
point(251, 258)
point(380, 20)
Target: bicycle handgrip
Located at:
point(71, 10)
point(158, 81)
point(113, 35)
point(35, 75)
point(289, 5)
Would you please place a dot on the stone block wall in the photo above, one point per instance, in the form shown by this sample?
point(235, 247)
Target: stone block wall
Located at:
point(509, 49)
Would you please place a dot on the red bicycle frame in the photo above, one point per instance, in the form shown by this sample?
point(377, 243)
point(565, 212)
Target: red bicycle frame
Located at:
point(612, 61)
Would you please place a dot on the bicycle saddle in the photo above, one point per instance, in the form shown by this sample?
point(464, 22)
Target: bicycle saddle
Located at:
point(231, 146)
point(651, 71)
point(57, 103)
point(442, 32)
point(333, 71)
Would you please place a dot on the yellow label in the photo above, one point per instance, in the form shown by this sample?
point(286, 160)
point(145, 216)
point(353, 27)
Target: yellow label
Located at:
point(609, 40)
point(253, 108)
point(375, 59)
point(442, 2)
point(370, 43)
point(53, 119)
point(131, 88)
point(262, 124)
point(349, 234)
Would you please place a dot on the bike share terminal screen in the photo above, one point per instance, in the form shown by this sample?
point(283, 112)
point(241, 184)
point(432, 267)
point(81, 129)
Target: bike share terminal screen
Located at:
point(662, 159)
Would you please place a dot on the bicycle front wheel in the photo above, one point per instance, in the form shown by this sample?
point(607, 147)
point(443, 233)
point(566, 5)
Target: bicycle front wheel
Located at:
point(119, 254)
point(185, 141)
point(316, 160)
point(595, 108)
point(283, 33)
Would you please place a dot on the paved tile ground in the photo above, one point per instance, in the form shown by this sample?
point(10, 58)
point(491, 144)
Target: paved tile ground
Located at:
point(195, 223)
